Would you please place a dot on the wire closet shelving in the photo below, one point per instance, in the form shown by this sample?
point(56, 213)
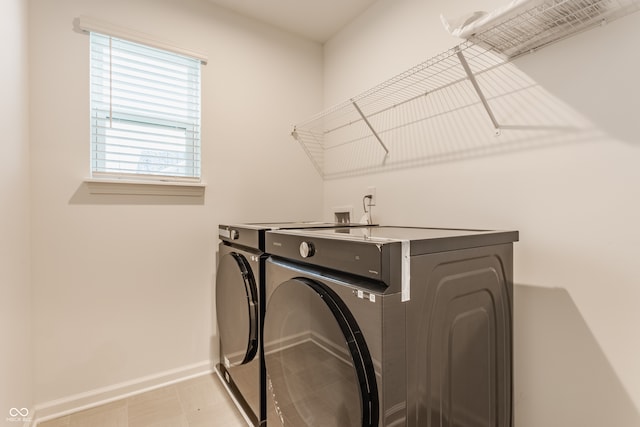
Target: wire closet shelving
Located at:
point(361, 134)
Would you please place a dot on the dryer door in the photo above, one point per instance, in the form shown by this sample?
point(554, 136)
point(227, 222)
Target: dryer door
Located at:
point(237, 310)
point(319, 368)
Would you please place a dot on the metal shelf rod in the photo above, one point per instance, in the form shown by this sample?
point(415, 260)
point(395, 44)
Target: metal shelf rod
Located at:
point(370, 127)
point(476, 86)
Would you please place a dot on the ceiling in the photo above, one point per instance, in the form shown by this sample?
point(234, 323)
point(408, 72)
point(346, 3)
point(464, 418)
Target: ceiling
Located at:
point(316, 20)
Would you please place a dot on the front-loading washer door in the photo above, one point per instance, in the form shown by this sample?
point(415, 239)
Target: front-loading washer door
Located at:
point(237, 310)
point(319, 370)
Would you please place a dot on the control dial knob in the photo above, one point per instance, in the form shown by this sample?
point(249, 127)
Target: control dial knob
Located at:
point(307, 249)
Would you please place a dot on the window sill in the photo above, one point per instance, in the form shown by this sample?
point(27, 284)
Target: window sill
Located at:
point(144, 188)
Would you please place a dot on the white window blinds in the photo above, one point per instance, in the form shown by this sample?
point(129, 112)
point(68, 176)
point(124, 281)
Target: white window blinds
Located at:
point(145, 111)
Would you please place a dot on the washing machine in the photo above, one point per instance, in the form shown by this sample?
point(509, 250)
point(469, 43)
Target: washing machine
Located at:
point(389, 326)
point(240, 310)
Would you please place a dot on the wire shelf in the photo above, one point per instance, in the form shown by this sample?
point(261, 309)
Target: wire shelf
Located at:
point(356, 133)
point(423, 113)
point(525, 30)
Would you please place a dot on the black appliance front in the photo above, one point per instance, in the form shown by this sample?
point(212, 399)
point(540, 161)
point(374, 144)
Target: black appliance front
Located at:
point(238, 313)
point(323, 349)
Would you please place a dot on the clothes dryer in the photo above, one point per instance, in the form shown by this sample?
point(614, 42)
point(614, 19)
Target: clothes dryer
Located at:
point(389, 326)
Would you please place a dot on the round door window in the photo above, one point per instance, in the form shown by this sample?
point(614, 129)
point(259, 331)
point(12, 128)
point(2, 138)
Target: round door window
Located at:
point(237, 310)
point(319, 371)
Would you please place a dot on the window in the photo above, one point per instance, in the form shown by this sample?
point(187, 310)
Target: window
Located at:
point(145, 111)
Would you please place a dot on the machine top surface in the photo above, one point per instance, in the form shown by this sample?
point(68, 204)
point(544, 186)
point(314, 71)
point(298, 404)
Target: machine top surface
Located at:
point(288, 225)
point(388, 234)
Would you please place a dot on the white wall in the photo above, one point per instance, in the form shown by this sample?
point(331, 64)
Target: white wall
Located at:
point(123, 285)
point(15, 289)
point(573, 197)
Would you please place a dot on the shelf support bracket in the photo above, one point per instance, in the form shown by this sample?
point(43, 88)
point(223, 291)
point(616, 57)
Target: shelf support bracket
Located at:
point(476, 86)
point(370, 127)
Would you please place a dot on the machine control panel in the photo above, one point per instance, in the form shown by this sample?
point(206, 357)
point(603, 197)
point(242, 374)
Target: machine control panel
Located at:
point(362, 259)
point(240, 235)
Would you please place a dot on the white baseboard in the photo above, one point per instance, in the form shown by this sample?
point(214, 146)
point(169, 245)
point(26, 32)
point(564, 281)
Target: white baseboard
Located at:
point(89, 399)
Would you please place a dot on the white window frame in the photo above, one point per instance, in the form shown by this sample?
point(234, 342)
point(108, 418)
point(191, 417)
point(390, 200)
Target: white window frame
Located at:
point(128, 118)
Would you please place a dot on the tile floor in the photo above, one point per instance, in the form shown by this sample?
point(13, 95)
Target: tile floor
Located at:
point(198, 402)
